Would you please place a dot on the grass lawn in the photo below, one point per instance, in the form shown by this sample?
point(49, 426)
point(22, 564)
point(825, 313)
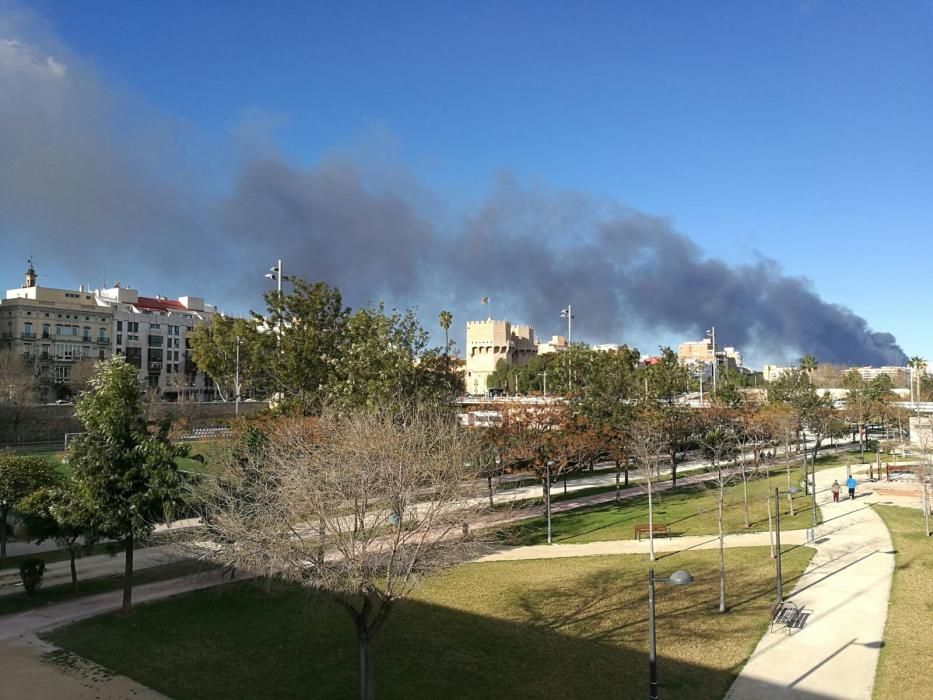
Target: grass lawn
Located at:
point(19, 602)
point(531, 629)
point(691, 510)
point(906, 665)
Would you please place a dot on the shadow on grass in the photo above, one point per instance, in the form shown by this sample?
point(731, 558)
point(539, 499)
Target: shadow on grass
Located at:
point(238, 642)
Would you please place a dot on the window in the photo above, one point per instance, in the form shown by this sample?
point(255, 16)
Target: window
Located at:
point(102, 333)
point(45, 329)
point(132, 326)
point(155, 326)
point(119, 326)
point(87, 332)
point(27, 329)
point(119, 339)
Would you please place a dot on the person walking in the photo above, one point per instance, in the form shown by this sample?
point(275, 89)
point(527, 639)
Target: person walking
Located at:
point(835, 490)
point(850, 484)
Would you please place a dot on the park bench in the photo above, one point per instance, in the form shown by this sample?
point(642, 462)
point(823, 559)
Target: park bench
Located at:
point(656, 529)
point(788, 616)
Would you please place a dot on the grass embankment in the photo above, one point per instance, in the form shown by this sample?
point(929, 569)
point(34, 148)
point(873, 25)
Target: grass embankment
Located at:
point(573, 628)
point(906, 665)
point(690, 510)
point(20, 602)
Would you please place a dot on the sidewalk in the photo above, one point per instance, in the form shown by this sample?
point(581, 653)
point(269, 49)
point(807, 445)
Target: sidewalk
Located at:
point(95, 566)
point(846, 586)
point(661, 544)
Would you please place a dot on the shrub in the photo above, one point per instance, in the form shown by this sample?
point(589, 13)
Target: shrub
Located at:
point(31, 572)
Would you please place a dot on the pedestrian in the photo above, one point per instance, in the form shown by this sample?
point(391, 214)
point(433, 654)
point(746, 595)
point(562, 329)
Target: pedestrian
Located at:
point(850, 484)
point(835, 490)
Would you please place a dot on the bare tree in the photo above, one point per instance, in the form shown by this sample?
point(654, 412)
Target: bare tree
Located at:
point(719, 441)
point(359, 506)
point(647, 440)
point(17, 379)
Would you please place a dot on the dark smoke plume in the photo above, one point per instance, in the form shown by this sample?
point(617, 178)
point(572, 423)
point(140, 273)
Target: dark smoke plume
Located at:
point(85, 178)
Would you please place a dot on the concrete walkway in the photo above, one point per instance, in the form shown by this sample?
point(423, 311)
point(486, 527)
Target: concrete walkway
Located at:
point(96, 566)
point(662, 544)
point(36, 670)
point(846, 586)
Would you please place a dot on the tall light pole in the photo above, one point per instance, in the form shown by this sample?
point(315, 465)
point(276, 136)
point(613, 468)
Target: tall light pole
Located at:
point(568, 314)
point(236, 381)
point(777, 537)
point(276, 273)
point(711, 333)
point(678, 578)
point(547, 496)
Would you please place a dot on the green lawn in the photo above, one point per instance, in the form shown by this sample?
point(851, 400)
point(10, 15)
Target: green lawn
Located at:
point(532, 629)
point(19, 602)
point(691, 510)
point(906, 665)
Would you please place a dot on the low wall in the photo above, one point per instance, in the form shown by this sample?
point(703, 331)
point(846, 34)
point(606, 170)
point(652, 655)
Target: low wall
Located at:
point(23, 425)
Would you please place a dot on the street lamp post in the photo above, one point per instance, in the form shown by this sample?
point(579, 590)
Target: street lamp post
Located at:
point(712, 335)
point(678, 578)
point(568, 314)
point(777, 538)
point(236, 381)
point(544, 374)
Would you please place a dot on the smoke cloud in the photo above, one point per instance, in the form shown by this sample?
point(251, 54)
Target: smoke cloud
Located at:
point(86, 175)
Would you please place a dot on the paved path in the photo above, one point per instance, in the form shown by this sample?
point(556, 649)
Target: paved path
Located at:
point(96, 566)
point(29, 669)
point(847, 586)
point(663, 544)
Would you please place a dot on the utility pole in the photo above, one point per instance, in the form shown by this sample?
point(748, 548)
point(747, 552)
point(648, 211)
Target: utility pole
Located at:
point(568, 314)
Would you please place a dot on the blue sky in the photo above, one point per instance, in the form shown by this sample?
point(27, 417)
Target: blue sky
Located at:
point(795, 131)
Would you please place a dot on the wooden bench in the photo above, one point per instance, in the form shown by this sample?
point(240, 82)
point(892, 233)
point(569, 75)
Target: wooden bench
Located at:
point(788, 616)
point(656, 529)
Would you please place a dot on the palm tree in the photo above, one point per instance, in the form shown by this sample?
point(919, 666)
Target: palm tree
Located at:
point(446, 318)
point(808, 363)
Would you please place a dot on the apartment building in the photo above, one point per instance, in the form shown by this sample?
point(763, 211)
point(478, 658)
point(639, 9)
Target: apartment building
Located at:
point(700, 352)
point(489, 341)
point(53, 330)
point(152, 333)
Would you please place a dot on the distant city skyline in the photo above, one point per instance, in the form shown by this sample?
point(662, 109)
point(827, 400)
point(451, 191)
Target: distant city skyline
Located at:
point(430, 155)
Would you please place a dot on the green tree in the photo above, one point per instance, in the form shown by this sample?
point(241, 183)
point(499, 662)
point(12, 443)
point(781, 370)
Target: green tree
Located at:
point(124, 468)
point(20, 475)
point(62, 513)
point(214, 351)
point(303, 340)
point(606, 400)
point(666, 382)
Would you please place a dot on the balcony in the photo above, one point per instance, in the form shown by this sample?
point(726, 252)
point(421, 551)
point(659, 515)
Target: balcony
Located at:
point(45, 334)
point(28, 335)
point(103, 341)
point(155, 367)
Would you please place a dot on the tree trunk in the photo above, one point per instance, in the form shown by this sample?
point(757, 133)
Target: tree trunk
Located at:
point(367, 691)
point(489, 482)
point(650, 521)
point(618, 480)
point(3, 515)
point(74, 570)
point(626, 475)
point(673, 469)
point(128, 575)
point(722, 551)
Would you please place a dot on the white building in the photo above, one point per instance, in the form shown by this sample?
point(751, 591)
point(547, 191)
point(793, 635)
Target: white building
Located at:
point(152, 333)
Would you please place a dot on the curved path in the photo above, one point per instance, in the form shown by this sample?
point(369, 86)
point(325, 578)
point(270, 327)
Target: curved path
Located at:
point(846, 586)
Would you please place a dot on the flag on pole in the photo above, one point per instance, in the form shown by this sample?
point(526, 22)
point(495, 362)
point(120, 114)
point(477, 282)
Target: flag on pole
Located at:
point(484, 300)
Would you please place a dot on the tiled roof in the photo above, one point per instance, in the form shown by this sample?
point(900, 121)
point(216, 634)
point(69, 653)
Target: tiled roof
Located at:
point(159, 304)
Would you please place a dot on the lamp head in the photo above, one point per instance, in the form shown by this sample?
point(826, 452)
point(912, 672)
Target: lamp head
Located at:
point(680, 578)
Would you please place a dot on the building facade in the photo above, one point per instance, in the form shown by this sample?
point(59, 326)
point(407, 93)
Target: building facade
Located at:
point(152, 333)
point(489, 341)
point(56, 329)
point(700, 352)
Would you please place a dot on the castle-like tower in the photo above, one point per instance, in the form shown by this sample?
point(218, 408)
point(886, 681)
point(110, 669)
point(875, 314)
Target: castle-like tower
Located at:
point(489, 341)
